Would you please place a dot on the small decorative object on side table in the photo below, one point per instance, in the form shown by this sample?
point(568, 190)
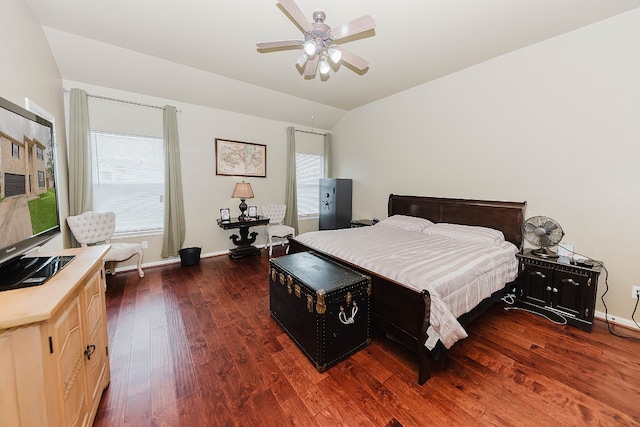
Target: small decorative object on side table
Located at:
point(560, 286)
point(244, 243)
point(355, 223)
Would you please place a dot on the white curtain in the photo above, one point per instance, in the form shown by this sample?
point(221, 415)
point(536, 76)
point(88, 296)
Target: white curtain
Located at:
point(80, 186)
point(291, 192)
point(174, 223)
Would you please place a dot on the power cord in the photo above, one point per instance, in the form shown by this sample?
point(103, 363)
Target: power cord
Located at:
point(597, 263)
point(510, 299)
point(606, 313)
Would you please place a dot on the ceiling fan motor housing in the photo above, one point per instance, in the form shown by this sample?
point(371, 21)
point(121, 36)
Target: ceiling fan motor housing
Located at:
point(320, 34)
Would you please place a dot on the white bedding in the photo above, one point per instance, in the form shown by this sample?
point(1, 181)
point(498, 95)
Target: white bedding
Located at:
point(457, 274)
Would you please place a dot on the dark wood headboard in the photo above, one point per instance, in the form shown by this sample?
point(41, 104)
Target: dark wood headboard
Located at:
point(507, 217)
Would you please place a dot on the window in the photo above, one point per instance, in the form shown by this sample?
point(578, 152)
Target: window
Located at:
point(41, 183)
point(39, 153)
point(15, 150)
point(309, 170)
point(128, 179)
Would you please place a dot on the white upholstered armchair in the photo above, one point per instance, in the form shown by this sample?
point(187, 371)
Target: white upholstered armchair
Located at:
point(96, 227)
point(275, 228)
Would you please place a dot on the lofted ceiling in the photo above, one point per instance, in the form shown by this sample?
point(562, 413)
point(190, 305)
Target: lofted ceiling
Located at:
point(414, 41)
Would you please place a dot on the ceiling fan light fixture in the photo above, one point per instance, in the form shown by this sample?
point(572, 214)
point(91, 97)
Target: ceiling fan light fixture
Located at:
point(324, 66)
point(302, 59)
point(310, 48)
point(335, 55)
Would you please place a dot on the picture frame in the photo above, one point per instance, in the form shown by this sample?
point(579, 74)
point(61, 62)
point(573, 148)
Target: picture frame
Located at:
point(253, 211)
point(237, 158)
point(225, 214)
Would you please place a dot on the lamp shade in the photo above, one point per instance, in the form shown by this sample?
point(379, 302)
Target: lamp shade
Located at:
point(242, 190)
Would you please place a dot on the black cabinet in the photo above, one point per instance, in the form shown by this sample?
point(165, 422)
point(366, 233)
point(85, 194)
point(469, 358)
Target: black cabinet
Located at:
point(335, 203)
point(555, 284)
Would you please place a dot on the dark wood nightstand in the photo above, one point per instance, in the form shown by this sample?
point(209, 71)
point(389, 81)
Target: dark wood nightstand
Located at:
point(556, 284)
point(355, 223)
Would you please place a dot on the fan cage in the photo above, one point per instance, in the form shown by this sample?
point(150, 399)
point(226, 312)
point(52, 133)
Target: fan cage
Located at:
point(543, 232)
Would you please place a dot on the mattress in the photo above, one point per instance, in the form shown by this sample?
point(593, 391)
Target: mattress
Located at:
point(458, 274)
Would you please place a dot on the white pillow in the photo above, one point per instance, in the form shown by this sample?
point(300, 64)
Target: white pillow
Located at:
point(466, 233)
point(409, 223)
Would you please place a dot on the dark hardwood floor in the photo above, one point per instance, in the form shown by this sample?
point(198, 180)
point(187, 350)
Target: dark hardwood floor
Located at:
point(196, 346)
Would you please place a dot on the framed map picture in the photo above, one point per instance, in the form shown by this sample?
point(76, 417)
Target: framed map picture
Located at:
point(240, 158)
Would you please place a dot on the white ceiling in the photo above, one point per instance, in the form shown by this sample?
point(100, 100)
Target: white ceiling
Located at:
point(415, 41)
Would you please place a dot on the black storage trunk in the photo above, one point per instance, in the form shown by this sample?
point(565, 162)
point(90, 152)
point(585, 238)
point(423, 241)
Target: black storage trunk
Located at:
point(323, 306)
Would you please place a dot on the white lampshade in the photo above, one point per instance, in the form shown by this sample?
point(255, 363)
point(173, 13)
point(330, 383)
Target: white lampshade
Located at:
point(310, 48)
point(335, 55)
point(324, 66)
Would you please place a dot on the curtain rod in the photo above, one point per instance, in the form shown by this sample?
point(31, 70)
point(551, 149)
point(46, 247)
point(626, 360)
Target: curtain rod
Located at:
point(308, 131)
point(124, 101)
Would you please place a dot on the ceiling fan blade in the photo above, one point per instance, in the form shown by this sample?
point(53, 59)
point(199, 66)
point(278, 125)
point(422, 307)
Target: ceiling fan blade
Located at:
point(353, 59)
point(294, 11)
point(311, 66)
point(297, 44)
point(358, 25)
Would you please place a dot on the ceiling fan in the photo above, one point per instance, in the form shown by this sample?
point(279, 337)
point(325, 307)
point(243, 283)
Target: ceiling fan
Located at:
point(318, 41)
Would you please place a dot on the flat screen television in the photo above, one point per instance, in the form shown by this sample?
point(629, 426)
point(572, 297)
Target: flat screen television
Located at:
point(29, 214)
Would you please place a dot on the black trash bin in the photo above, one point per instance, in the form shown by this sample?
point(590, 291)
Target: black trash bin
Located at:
point(189, 256)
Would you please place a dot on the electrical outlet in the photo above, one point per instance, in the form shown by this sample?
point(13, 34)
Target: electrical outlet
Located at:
point(635, 292)
point(145, 246)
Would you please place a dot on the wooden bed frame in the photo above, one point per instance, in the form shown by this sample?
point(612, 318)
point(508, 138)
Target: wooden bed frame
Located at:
point(403, 312)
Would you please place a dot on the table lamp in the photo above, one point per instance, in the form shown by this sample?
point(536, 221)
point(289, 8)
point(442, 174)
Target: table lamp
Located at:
point(242, 191)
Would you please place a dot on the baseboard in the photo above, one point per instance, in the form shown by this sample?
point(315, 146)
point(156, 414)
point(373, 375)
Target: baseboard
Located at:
point(616, 320)
point(172, 260)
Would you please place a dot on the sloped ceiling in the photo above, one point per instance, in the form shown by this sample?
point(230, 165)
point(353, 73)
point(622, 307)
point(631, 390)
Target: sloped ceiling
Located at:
point(203, 51)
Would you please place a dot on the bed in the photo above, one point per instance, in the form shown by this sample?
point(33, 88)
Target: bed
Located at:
point(400, 308)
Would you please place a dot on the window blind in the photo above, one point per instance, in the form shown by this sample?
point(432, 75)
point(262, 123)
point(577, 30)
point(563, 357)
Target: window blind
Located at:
point(128, 179)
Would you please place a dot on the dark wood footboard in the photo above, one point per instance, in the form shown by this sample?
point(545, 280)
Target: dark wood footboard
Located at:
point(403, 314)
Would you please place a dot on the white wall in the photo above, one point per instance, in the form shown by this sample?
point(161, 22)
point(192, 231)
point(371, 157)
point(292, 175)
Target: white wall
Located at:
point(204, 191)
point(29, 71)
point(556, 124)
